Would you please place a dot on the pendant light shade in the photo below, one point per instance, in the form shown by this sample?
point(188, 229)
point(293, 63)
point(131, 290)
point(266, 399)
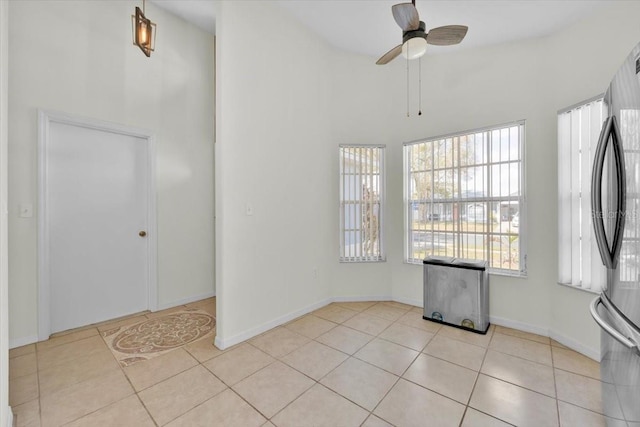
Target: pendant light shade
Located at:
point(144, 31)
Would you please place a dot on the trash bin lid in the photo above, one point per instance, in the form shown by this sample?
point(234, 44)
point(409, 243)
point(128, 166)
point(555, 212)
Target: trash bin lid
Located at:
point(471, 263)
point(439, 260)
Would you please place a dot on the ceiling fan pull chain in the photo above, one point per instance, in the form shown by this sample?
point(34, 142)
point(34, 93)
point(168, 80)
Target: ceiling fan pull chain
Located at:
point(420, 86)
point(407, 85)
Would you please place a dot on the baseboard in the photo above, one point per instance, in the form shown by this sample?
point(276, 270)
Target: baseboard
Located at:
point(521, 326)
point(250, 333)
point(186, 301)
point(577, 346)
point(538, 330)
point(236, 339)
point(9, 417)
point(508, 323)
point(410, 301)
point(526, 327)
point(360, 299)
point(19, 342)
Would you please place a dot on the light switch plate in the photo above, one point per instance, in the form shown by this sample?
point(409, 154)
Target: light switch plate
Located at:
point(25, 210)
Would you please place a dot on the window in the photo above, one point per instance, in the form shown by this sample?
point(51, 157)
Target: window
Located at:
point(628, 265)
point(464, 197)
point(361, 203)
point(579, 261)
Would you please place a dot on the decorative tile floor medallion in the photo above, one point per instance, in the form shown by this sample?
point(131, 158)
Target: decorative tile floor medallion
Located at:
point(153, 337)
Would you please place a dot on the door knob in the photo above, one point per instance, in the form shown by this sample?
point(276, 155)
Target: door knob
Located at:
point(142, 233)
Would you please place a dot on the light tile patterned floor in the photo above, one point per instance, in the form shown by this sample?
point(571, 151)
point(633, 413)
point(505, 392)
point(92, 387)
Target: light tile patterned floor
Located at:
point(347, 364)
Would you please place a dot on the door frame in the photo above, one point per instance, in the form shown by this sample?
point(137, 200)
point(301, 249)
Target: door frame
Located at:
point(45, 118)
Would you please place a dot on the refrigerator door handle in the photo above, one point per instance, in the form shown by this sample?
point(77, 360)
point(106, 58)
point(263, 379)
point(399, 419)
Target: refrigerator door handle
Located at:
point(611, 131)
point(628, 342)
point(621, 193)
point(596, 194)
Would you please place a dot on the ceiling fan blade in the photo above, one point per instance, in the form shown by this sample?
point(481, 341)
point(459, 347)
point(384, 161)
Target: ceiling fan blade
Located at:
point(390, 56)
point(447, 35)
point(406, 15)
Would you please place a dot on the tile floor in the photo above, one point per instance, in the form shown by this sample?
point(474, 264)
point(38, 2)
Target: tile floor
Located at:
point(347, 364)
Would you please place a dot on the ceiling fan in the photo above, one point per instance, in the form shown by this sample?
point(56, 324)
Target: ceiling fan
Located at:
point(414, 37)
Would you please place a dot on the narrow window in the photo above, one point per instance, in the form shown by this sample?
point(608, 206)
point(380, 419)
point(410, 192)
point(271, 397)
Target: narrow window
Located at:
point(579, 263)
point(361, 203)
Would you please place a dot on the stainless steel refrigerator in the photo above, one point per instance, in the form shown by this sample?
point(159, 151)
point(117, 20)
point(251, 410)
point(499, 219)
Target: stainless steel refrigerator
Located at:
point(615, 204)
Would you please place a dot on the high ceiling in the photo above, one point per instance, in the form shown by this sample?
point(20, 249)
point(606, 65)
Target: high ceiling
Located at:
point(367, 27)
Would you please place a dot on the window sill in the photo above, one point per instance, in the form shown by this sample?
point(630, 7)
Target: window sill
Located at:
point(589, 291)
point(514, 274)
point(493, 272)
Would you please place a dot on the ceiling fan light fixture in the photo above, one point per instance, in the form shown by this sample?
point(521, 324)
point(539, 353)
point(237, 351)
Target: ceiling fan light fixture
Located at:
point(415, 37)
point(414, 48)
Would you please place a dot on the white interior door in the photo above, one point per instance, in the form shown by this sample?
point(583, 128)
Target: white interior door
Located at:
point(96, 224)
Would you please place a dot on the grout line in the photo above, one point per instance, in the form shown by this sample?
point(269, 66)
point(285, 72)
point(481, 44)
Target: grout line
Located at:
point(146, 409)
point(382, 400)
point(555, 385)
point(525, 338)
point(135, 392)
point(453, 363)
point(334, 369)
point(52, 347)
point(520, 357)
point(288, 404)
point(582, 407)
point(492, 416)
point(581, 375)
point(528, 340)
point(196, 406)
point(254, 408)
point(248, 375)
point(464, 414)
point(518, 385)
point(475, 383)
point(35, 351)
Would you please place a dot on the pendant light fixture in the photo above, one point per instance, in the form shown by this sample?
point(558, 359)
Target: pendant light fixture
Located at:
point(144, 31)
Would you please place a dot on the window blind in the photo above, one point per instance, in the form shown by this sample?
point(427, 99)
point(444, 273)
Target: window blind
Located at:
point(361, 203)
point(579, 263)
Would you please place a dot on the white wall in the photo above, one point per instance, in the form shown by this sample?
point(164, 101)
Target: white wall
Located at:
point(274, 101)
point(5, 411)
point(528, 80)
point(273, 152)
point(78, 58)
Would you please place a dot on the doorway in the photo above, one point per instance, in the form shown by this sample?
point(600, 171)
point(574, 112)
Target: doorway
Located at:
point(96, 217)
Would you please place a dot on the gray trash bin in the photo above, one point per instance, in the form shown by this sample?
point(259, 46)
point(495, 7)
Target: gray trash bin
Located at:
point(456, 292)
